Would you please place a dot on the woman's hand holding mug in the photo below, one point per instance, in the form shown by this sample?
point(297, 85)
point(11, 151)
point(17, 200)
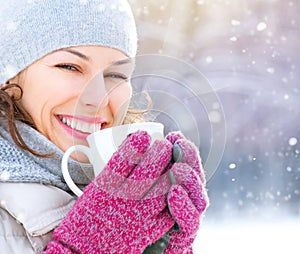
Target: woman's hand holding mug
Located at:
point(111, 221)
point(132, 203)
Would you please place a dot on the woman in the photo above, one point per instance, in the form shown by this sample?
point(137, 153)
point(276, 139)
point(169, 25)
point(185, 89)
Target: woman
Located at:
point(65, 72)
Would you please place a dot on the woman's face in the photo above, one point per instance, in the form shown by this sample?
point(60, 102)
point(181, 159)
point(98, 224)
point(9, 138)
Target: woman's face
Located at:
point(73, 92)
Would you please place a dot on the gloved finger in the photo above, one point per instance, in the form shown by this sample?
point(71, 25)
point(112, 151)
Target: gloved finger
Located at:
point(186, 177)
point(122, 162)
point(189, 154)
point(183, 210)
point(129, 153)
point(162, 224)
point(174, 135)
point(154, 162)
point(147, 176)
point(179, 242)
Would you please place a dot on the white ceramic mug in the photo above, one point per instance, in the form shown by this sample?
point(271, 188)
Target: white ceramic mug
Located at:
point(102, 145)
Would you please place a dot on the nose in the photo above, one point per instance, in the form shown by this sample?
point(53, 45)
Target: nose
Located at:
point(94, 94)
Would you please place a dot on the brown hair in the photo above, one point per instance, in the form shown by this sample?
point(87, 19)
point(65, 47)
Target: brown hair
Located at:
point(12, 111)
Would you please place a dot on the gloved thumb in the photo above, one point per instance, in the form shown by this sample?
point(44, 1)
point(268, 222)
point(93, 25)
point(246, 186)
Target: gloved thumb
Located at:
point(183, 211)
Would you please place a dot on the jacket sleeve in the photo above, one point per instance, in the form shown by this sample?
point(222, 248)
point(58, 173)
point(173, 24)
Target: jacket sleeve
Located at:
point(28, 215)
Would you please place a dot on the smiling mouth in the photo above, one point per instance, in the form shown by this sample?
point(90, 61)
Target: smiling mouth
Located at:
point(79, 125)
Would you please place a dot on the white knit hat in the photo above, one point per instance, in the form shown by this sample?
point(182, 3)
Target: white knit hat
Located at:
point(29, 29)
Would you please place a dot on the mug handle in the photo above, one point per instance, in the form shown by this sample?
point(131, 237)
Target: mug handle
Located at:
point(65, 170)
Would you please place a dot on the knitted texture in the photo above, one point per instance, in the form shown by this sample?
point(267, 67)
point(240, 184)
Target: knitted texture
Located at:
point(187, 200)
point(19, 165)
point(32, 28)
point(132, 204)
point(102, 221)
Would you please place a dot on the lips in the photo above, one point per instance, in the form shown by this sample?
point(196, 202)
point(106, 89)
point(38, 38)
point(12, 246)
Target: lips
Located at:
point(81, 125)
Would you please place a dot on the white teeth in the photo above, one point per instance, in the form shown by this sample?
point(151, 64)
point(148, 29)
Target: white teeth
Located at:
point(80, 126)
point(64, 120)
point(73, 124)
point(85, 126)
point(92, 128)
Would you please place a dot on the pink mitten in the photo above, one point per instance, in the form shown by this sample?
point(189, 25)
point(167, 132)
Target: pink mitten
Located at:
point(187, 199)
point(110, 217)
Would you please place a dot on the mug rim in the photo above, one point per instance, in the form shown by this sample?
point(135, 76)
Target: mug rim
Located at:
point(159, 127)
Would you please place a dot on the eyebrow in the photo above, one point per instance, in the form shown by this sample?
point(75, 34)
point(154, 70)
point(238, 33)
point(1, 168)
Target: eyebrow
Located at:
point(77, 53)
point(86, 58)
point(124, 61)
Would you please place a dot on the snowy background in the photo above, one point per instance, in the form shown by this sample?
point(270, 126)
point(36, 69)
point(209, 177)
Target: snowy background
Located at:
point(248, 51)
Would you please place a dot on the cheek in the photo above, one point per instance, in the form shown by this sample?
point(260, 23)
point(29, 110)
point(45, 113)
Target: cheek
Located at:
point(42, 92)
point(120, 99)
point(36, 98)
point(41, 100)
point(33, 101)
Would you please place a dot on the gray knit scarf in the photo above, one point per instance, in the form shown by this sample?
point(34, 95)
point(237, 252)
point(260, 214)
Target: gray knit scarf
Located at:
point(18, 165)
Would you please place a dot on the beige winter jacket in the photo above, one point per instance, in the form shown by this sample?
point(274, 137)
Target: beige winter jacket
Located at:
point(28, 214)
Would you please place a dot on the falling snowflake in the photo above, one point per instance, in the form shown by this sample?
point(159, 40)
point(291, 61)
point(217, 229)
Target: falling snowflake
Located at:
point(232, 165)
point(200, 2)
point(4, 176)
point(261, 26)
point(235, 22)
point(3, 203)
point(209, 59)
point(293, 141)
point(233, 38)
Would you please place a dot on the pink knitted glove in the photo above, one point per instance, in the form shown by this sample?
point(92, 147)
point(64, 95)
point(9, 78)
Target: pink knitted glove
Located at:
point(120, 211)
point(188, 198)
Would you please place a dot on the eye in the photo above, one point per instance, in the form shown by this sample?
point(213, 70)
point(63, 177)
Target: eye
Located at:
point(116, 76)
point(69, 67)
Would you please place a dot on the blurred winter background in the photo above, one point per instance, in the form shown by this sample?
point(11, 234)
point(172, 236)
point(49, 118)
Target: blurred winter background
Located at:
point(248, 52)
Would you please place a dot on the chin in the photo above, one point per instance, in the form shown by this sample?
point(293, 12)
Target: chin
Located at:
point(80, 157)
